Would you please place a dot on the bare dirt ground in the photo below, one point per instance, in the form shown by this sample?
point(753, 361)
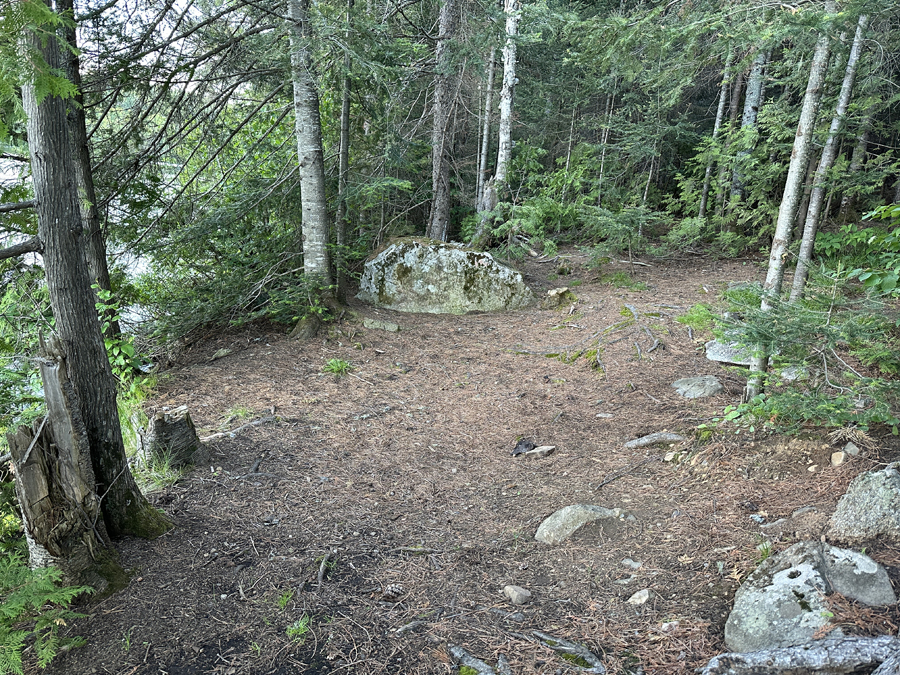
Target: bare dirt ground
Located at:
point(398, 477)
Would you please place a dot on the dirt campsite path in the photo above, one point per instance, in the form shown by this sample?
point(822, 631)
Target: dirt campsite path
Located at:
point(386, 514)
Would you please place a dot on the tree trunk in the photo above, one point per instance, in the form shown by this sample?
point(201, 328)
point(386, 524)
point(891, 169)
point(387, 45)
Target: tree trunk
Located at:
point(55, 486)
point(340, 221)
point(856, 161)
point(504, 146)
point(125, 510)
point(734, 109)
point(604, 142)
point(308, 130)
point(829, 152)
point(485, 132)
point(95, 248)
point(720, 115)
point(442, 111)
point(752, 103)
point(171, 439)
point(792, 193)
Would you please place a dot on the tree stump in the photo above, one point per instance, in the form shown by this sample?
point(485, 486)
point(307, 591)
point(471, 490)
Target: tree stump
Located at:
point(171, 439)
point(55, 485)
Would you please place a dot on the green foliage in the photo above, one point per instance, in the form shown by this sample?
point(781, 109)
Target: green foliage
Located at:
point(337, 367)
point(33, 604)
point(298, 630)
point(698, 317)
point(285, 599)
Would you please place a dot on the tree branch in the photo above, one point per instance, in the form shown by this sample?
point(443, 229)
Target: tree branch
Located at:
point(16, 206)
point(32, 245)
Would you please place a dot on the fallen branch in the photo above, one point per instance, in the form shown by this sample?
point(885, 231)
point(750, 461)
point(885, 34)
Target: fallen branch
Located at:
point(624, 472)
point(231, 434)
point(466, 659)
point(832, 657)
point(322, 568)
point(579, 655)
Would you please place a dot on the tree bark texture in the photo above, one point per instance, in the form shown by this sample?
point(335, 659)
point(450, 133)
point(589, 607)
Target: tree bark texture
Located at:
point(752, 103)
point(720, 115)
point(61, 512)
point(733, 109)
point(825, 657)
point(442, 113)
point(857, 159)
point(341, 217)
point(793, 191)
point(481, 178)
point(171, 438)
point(95, 242)
point(829, 152)
point(60, 230)
point(308, 130)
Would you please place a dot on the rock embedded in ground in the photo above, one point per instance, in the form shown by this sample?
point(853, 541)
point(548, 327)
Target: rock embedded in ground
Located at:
point(563, 523)
point(782, 603)
point(516, 594)
point(870, 508)
point(415, 275)
point(540, 451)
point(654, 439)
point(698, 387)
point(728, 352)
point(639, 598)
point(378, 324)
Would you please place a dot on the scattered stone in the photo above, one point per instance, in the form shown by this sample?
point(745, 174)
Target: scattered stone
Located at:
point(851, 449)
point(654, 439)
point(838, 458)
point(781, 604)
point(575, 653)
point(420, 275)
point(563, 523)
point(871, 507)
point(728, 352)
point(812, 468)
point(556, 297)
point(670, 456)
point(698, 387)
point(378, 324)
point(523, 446)
point(220, 354)
point(628, 562)
point(669, 626)
point(832, 657)
point(517, 595)
point(540, 451)
point(605, 416)
point(464, 658)
point(793, 374)
point(503, 666)
point(639, 598)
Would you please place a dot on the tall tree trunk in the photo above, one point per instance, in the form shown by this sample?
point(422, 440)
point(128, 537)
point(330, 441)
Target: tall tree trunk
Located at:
point(857, 159)
point(829, 152)
point(125, 511)
point(442, 112)
point(752, 103)
point(341, 216)
point(720, 115)
point(791, 197)
point(604, 141)
point(485, 131)
point(504, 144)
point(308, 130)
point(734, 110)
point(803, 209)
point(95, 249)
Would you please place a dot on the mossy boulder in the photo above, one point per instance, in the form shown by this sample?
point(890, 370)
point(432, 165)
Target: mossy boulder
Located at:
point(420, 275)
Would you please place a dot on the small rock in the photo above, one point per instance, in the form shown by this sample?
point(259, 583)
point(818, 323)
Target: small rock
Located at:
point(851, 449)
point(540, 451)
point(794, 374)
point(562, 524)
point(812, 468)
point(670, 456)
point(517, 595)
point(654, 439)
point(728, 352)
point(639, 598)
point(838, 458)
point(628, 562)
point(604, 416)
point(669, 626)
point(378, 324)
point(698, 387)
point(220, 354)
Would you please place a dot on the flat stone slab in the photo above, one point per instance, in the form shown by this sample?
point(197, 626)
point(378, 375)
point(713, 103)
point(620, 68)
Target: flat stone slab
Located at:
point(563, 523)
point(870, 508)
point(658, 438)
point(728, 352)
point(698, 387)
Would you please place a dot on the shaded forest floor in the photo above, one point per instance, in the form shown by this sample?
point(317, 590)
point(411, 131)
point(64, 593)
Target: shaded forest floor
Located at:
point(400, 473)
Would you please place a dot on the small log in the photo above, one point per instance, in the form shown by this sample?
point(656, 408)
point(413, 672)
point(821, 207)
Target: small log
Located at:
point(830, 657)
point(171, 438)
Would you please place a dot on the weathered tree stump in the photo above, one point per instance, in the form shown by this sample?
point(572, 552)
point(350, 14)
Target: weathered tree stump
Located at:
point(55, 485)
point(171, 439)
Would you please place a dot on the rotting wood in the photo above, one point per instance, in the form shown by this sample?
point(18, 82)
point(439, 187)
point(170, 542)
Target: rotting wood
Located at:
point(243, 427)
point(833, 657)
point(170, 438)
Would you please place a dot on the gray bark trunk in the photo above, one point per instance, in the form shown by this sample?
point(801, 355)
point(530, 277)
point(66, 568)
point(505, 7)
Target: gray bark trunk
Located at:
point(720, 115)
point(485, 131)
point(341, 217)
point(308, 130)
point(752, 103)
point(829, 152)
point(442, 111)
point(125, 510)
point(857, 159)
point(55, 483)
point(734, 109)
point(793, 189)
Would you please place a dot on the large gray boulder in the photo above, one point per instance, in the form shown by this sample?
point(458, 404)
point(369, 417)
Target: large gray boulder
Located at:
point(728, 352)
point(698, 387)
point(781, 604)
point(414, 275)
point(871, 507)
point(563, 523)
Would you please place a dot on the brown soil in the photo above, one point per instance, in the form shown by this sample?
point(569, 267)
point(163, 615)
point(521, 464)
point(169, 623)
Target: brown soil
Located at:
point(400, 474)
